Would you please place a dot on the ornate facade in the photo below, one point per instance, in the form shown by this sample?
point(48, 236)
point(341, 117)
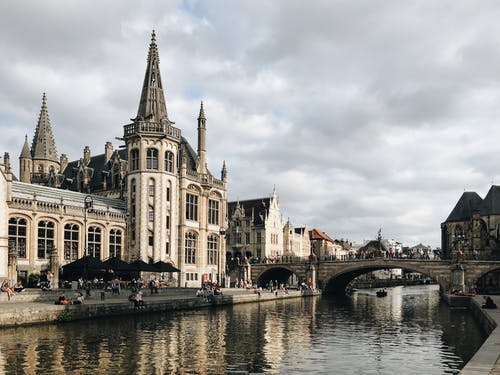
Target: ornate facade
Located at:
point(154, 199)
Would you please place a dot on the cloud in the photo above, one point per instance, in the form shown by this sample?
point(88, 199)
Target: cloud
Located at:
point(362, 114)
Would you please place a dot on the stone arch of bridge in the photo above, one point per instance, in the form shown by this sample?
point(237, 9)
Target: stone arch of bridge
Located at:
point(337, 283)
point(279, 273)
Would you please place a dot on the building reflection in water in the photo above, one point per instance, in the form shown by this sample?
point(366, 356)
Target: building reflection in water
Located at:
point(272, 337)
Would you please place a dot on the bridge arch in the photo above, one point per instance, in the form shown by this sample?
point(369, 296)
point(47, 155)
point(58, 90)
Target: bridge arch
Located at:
point(280, 273)
point(337, 282)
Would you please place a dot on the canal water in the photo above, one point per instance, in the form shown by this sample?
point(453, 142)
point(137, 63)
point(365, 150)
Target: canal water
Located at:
point(408, 332)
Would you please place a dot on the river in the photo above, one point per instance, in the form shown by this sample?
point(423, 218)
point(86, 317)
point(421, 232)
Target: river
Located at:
point(408, 332)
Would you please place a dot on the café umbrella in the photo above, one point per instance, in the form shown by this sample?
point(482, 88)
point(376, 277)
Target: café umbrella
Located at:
point(140, 265)
point(162, 266)
point(84, 265)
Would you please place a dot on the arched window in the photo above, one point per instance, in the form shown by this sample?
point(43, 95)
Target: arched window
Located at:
point(115, 243)
point(134, 159)
point(17, 235)
point(169, 161)
point(212, 248)
point(190, 248)
point(94, 242)
point(45, 238)
point(71, 232)
point(152, 158)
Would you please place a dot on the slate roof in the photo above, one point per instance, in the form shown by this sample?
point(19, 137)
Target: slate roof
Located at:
point(71, 198)
point(373, 245)
point(259, 206)
point(98, 164)
point(491, 203)
point(466, 205)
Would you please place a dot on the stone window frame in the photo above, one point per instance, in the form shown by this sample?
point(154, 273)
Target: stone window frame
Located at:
point(213, 212)
point(115, 243)
point(71, 241)
point(94, 241)
point(46, 231)
point(152, 158)
point(191, 207)
point(212, 249)
point(169, 161)
point(190, 247)
point(16, 236)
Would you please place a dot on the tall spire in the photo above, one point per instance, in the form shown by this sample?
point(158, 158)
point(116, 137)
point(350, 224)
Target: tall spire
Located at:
point(44, 146)
point(152, 105)
point(202, 141)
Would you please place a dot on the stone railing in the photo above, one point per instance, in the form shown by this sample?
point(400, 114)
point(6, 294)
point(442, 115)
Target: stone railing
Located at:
point(152, 128)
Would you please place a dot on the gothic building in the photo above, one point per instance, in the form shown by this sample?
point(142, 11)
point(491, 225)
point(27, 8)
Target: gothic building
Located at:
point(153, 198)
point(256, 231)
point(473, 226)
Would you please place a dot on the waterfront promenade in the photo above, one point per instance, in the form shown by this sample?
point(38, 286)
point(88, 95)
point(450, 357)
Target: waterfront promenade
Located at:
point(36, 307)
point(487, 358)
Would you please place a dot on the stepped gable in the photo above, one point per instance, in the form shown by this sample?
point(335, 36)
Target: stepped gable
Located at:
point(468, 203)
point(491, 203)
point(259, 207)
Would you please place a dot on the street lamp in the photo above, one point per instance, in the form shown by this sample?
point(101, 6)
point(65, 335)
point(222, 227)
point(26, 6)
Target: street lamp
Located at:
point(88, 202)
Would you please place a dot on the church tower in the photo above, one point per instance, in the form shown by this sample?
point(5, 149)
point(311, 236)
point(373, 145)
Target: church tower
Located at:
point(40, 165)
point(153, 144)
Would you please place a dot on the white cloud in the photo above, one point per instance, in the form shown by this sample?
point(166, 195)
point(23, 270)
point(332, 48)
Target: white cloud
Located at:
point(363, 114)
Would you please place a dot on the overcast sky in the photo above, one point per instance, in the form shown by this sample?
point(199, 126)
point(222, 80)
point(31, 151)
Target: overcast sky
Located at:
point(363, 114)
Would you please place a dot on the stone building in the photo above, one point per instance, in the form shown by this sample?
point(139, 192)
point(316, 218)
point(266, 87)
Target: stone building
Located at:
point(256, 231)
point(153, 198)
point(473, 227)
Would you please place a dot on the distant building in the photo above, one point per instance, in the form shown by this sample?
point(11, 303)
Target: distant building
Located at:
point(473, 226)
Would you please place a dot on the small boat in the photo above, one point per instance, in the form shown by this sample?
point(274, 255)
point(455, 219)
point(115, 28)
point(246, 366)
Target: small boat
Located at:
point(381, 293)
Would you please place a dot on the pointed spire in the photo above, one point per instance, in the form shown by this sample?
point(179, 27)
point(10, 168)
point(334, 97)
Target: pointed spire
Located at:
point(44, 146)
point(26, 153)
point(202, 112)
point(152, 105)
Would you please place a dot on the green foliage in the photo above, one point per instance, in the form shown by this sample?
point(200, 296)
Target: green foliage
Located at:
point(64, 316)
point(33, 280)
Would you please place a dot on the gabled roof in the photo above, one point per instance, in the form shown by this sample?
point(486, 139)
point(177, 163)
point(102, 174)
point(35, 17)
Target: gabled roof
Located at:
point(99, 164)
point(259, 207)
point(466, 205)
point(491, 203)
point(316, 234)
point(373, 245)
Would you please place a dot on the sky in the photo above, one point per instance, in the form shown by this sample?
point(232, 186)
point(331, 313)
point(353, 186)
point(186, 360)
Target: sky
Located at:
point(361, 114)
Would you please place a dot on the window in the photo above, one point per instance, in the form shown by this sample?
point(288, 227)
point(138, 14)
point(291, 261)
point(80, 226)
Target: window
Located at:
point(168, 194)
point(212, 248)
point(247, 238)
point(152, 158)
point(213, 212)
point(167, 248)
point(238, 238)
point(151, 240)
point(115, 243)
point(190, 248)
point(169, 161)
point(134, 159)
point(191, 207)
point(45, 238)
point(94, 242)
point(71, 232)
point(167, 222)
point(151, 216)
point(17, 235)
point(259, 237)
point(151, 190)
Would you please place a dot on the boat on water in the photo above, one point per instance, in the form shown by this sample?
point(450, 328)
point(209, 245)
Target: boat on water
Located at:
point(381, 293)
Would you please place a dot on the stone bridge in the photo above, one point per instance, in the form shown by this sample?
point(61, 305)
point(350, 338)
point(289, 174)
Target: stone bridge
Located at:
point(333, 276)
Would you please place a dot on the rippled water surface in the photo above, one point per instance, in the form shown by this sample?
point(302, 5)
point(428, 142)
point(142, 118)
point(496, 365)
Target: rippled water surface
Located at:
point(408, 332)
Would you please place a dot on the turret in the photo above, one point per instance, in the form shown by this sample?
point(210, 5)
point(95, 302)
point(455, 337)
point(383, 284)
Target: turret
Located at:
point(25, 162)
point(108, 151)
point(223, 173)
point(202, 136)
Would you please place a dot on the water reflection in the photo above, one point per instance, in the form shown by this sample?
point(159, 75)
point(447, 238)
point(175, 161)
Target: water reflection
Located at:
point(410, 332)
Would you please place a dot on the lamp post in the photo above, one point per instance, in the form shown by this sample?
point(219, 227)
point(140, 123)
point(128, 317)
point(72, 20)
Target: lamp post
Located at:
point(222, 232)
point(88, 202)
